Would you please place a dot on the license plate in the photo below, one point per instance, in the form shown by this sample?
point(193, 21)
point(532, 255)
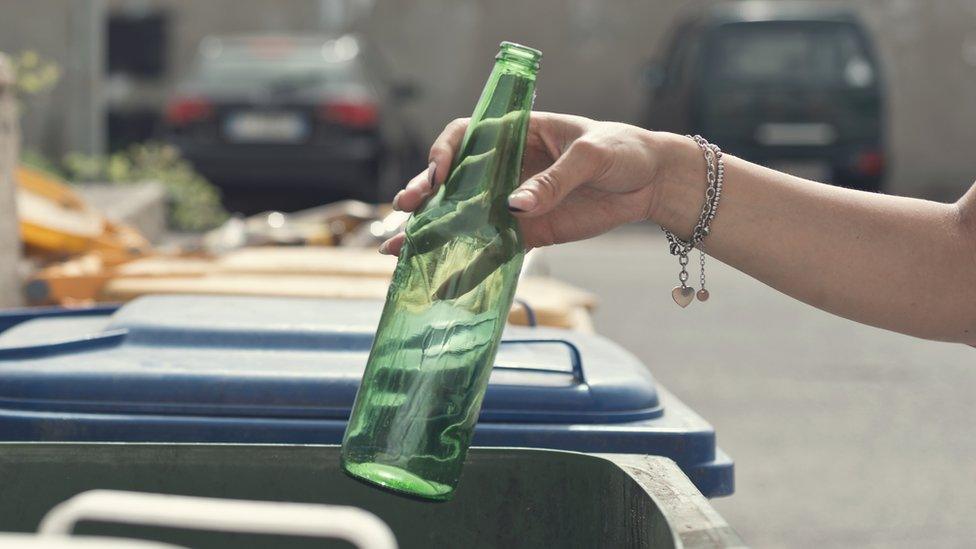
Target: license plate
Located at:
point(275, 127)
point(809, 135)
point(812, 170)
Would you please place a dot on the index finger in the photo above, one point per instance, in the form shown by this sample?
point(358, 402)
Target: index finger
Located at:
point(444, 147)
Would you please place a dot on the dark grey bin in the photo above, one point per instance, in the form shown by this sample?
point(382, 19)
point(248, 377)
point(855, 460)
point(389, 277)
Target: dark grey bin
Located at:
point(508, 498)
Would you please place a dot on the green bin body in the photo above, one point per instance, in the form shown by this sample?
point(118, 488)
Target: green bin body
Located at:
point(508, 498)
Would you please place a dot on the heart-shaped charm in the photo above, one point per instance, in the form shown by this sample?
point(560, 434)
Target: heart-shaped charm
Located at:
point(683, 296)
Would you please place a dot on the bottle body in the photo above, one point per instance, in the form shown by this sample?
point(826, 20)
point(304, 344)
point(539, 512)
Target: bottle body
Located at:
point(447, 305)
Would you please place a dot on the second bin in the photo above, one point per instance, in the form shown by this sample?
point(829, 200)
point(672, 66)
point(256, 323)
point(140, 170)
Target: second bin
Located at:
point(271, 370)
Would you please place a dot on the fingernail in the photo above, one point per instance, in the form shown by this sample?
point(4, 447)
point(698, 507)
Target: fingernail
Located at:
point(385, 248)
point(521, 201)
point(431, 172)
point(396, 201)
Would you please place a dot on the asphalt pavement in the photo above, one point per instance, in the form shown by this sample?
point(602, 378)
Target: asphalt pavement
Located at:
point(843, 435)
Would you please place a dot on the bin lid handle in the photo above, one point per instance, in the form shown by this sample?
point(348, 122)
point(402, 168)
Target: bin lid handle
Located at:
point(356, 526)
point(575, 358)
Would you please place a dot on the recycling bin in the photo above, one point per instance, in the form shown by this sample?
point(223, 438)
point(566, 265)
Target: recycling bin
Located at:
point(277, 370)
point(509, 497)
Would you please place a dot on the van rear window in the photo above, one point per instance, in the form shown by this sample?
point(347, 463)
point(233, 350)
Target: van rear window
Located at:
point(808, 53)
point(260, 62)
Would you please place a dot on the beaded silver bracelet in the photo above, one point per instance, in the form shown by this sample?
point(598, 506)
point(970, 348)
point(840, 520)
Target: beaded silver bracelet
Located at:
point(684, 294)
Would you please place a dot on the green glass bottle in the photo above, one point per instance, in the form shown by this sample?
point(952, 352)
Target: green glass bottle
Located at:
point(448, 302)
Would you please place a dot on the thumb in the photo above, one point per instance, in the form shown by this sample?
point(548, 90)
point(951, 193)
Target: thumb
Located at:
point(542, 192)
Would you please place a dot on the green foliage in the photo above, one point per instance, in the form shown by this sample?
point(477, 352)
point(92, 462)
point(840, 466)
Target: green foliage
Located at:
point(195, 202)
point(33, 73)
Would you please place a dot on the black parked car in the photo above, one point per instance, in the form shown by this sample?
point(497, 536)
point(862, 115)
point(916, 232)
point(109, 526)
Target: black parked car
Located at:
point(793, 86)
point(294, 120)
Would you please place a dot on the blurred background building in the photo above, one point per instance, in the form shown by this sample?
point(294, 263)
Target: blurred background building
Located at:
point(122, 59)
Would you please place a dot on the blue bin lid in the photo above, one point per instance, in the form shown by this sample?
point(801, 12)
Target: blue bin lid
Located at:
point(279, 357)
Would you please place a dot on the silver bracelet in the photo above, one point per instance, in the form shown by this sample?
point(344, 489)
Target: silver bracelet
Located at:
point(684, 294)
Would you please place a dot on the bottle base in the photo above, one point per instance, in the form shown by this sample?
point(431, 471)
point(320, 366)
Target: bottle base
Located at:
point(398, 480)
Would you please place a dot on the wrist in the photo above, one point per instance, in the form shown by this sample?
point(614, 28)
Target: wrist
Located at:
point(679, 183)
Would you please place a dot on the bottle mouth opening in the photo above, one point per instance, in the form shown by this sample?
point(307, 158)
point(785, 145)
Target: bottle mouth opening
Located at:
point(523, 55)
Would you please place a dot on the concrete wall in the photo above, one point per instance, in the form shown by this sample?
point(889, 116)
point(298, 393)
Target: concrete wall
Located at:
point(929, 50)
point(9, 236)
point(40, 25)
point(593, 53)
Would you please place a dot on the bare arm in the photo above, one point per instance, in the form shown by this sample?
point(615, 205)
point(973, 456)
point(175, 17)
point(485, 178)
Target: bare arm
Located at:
point(897, 263)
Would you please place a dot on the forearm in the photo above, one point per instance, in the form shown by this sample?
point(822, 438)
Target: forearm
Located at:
point(902, 264)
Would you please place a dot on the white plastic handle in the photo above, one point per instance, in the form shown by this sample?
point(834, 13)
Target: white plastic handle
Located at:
point(359, 527)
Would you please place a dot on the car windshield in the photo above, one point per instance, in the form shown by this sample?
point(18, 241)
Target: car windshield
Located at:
point(278, 63)
point(807, 53)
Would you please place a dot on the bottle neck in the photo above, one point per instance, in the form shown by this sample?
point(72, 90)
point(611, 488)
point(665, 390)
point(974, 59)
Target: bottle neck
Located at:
point(493, 143)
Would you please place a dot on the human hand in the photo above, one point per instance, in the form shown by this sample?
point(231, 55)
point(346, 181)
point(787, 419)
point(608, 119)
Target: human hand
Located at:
point(584, 178)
